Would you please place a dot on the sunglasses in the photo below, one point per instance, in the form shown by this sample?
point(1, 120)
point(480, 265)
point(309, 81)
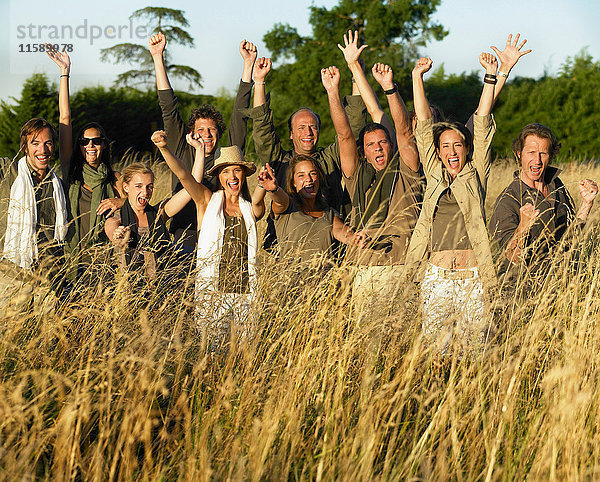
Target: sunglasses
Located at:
point(96, 141)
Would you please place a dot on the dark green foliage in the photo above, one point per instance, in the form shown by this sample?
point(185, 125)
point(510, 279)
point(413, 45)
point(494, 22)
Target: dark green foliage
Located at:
point(393, 31)
point(569, 104)
point(38, 99)
point(128, 115)
point(456, 95)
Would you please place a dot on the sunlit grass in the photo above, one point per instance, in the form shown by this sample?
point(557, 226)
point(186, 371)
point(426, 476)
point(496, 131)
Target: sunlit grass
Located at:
point(116, 383)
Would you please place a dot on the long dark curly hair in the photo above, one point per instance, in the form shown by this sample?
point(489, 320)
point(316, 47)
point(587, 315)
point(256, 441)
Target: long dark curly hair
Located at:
point(77, 159)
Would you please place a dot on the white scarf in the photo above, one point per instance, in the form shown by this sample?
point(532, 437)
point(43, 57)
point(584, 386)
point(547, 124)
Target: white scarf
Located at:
point(210, 242)
point(20, 242)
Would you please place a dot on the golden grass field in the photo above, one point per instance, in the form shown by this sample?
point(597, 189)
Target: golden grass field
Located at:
point(117, 385)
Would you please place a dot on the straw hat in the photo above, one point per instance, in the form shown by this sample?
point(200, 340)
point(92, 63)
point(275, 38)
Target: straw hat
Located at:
point(230, 156)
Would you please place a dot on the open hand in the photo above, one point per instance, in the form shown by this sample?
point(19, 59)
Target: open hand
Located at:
point(588, 190)
point(423, 65)
point(261, 68)
point(160, 139)
point(157, 44)
point(61, 59)
point(351, 50)
point(512, 52)
point(248, 51)
point(266, 178)
point(330, 76)
point(109, 206)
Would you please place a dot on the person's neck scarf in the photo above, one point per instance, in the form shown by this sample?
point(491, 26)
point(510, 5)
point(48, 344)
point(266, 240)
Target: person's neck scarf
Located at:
point(97, 180)
point(158, 239)
point(373, 207)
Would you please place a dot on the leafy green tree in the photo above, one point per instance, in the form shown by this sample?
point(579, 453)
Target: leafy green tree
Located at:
point(393, 30)
point(128, 115)
point(167, 20)
point(456, 94)
point(38, 99)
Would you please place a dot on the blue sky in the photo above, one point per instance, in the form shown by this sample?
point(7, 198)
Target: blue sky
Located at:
point(554, 29)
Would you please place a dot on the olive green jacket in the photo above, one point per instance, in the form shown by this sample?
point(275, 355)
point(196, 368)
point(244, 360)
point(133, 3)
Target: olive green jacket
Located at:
point(469, 188)
point(269, 149)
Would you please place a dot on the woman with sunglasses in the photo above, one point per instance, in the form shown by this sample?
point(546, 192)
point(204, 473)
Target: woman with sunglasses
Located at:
point(86, 170)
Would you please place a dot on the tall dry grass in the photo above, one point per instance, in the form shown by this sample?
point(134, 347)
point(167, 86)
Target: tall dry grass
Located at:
point(115, 383)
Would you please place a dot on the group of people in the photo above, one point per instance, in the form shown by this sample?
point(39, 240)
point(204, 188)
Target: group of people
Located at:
point(400, 199)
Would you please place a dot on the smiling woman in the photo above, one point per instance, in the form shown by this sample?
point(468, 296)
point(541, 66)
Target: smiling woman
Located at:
point(227, 242)
point(138, 229)
point(451, 229)
point(306, 226)
point(87, 172)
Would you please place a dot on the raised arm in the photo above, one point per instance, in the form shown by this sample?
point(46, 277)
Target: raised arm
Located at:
point(405, 141)
point(486, 101)
point(267, 182)
point(261, 69)
point(248, 52)
point(157, 45)
point(422, 109)
point(238, 123)
point(424, 131)
point(352, 52)
point(65, 129)
point(330, 77)
point(508, 59)
point(181, 198)
point(198, 191)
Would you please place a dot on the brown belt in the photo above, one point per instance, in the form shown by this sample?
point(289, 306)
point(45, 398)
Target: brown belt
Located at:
point(455, 274)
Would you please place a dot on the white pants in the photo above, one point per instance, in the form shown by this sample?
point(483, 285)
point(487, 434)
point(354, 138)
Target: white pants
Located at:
point(453, 306)
point(222, 317)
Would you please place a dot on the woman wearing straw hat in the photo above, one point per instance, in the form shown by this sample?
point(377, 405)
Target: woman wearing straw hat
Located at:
point(227, 242)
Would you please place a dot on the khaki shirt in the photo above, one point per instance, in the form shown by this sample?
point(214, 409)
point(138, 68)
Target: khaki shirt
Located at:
point(305, 236)
point(469, 187)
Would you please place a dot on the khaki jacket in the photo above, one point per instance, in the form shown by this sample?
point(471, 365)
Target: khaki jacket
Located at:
point(469, 188)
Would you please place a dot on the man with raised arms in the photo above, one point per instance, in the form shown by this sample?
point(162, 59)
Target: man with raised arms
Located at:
point(206, 122)
point(304, 126)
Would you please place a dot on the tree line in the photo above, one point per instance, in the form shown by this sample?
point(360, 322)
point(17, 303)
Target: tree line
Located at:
point(566, 102)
